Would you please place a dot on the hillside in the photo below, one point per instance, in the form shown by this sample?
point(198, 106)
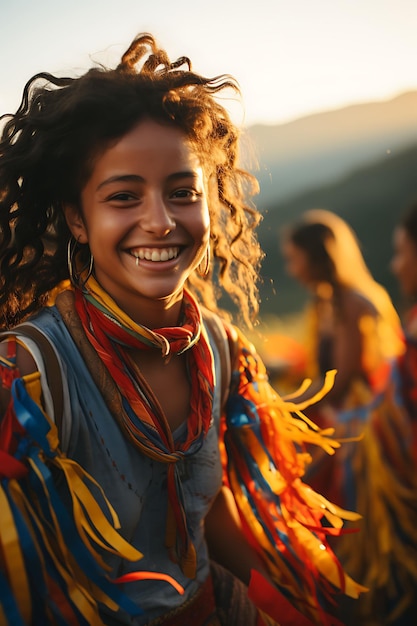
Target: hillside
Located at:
point(320, 148)
point(371, 199)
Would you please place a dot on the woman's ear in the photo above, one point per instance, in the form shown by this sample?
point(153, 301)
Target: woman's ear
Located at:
point(75, 223)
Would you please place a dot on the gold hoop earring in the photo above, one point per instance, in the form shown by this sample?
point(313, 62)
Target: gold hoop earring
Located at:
point(203, 267)
point(72, 249)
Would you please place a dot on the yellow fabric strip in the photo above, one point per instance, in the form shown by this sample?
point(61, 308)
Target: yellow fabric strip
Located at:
point(83, 500)
point(318, 555)
point(319, 395)
point(12, 556)
point(108, 303)
point(276, 562)
point(34, 388)
point(63, 560)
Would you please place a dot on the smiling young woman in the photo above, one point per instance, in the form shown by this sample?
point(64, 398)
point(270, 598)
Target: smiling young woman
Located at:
point(133, 492)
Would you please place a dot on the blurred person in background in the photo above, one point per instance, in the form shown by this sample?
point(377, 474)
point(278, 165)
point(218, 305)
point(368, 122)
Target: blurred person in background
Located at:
point(404, 267)
point(352, 327)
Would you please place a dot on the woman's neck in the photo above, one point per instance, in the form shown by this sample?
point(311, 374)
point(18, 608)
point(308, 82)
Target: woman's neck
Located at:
point(154, 313)
point(157, 315)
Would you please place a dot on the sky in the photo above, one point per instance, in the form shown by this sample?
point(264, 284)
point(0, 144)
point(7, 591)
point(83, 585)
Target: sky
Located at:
point(292, 58)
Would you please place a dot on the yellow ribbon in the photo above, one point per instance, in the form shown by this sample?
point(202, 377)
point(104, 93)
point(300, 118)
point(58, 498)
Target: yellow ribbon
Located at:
point(12, 557)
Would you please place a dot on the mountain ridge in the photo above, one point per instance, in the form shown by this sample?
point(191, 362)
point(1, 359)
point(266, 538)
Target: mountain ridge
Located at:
point(321, 147)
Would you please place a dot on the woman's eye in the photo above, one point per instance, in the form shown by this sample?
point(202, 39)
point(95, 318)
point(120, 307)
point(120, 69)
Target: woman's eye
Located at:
point(190, 194)
point(122, 196)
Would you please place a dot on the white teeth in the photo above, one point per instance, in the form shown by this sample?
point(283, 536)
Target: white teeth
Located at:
point(155, 254)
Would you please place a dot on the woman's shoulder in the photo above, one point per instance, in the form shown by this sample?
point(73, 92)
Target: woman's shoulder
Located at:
point(357, 305)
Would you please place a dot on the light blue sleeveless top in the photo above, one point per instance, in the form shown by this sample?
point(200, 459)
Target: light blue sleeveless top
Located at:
point(134, 483)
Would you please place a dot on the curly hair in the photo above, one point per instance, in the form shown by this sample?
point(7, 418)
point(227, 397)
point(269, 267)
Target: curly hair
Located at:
point(48, 150)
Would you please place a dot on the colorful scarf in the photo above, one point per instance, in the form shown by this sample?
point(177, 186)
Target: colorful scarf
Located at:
point(113, 334)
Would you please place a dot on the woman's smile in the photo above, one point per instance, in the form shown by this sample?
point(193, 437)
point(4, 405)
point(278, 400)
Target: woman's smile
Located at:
point(155, 255)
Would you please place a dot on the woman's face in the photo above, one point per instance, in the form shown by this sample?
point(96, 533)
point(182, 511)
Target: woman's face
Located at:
point(145, 217)
point(404, 262)
point(297, 263)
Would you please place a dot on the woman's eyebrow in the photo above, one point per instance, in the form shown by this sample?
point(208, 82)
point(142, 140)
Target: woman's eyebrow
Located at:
point(121, 178)
point(185, 174)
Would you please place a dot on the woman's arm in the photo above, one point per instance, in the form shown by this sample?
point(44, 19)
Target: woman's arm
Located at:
point(226, 541)
point(349, 344)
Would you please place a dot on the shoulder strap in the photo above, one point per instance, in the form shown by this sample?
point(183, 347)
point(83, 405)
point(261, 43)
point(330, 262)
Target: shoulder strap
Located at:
point(216, 327)
point(52, 365)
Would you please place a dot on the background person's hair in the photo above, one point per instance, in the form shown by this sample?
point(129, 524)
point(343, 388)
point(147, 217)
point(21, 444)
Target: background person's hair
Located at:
point(48, 149)
point(314, 239)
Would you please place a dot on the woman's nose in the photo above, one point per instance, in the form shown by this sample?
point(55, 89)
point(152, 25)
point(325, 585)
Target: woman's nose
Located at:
point(156, 216)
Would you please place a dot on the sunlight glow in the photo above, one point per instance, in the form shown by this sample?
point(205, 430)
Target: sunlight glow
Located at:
point(291, 59)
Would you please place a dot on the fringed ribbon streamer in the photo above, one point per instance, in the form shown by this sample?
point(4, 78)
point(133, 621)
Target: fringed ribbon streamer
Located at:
point(275, 605)
point(13, 560)
point(9, 609)
point(143, 575)
point(38, 534)
point(265, 438)
point(383, 487)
